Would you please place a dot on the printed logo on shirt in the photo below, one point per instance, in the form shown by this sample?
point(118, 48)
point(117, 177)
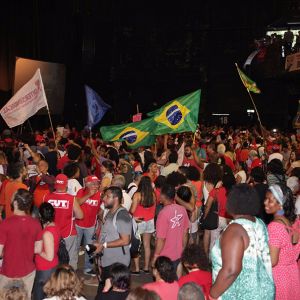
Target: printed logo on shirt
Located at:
point(92, 202)
point(176, 220)
point(64, 204)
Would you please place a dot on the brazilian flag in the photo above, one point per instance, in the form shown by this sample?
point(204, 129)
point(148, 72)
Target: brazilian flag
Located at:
point(178, 115)
point(135, 134)
point(249, 84)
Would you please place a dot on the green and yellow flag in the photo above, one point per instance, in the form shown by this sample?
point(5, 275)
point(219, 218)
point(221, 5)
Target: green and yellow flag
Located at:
point(135, 134)
point(178, 115)
point(247, 82)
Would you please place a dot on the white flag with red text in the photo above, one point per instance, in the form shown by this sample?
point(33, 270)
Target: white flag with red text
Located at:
point(28, 100)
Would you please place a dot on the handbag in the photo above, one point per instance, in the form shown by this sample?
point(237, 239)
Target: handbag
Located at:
point(211, 221)
point(62, 253)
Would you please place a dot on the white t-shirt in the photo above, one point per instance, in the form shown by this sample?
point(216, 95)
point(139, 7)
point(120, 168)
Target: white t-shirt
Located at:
point(132, 188)
point(243, 176)
point(126, 201)
point(295, 164)
point(73, 187)
point(173, 167)
point(275, 155)
point(297, 206)
point(1, 170)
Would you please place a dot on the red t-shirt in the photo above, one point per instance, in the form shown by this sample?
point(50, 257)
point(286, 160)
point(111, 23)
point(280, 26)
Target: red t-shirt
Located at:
point(244, 154)
point(62, 162)
point(229, 162)
point(147, 213)
point(200, 277)
point(221, 196)
point(41, 263)
point(165, 290)
point(9, 190)
point(63, 204)
point(90, 209)
point(171, 224)
point(199, 188)
point(157, 194)
point(41, 190)
point(190, 162)
point(18, 235)
point(256, 163)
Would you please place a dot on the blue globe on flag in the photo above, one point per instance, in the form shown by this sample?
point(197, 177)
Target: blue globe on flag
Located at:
point(129, 136)
point(174, 115)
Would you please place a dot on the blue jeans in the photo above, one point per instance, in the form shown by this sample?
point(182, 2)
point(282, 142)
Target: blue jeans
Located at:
point(87, 235)
point(41, 277)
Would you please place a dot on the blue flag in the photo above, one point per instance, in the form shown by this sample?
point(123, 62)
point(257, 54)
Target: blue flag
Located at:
point(96, 106)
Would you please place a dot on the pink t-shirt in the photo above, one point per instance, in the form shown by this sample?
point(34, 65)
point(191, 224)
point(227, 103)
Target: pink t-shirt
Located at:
point(172, 223)
point(166, 291)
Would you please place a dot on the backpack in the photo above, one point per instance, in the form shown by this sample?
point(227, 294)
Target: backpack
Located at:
point(135, 238)
point(129, 189)
point(62, 253)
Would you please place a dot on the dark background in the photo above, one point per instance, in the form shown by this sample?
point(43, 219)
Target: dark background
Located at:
point(148, 52)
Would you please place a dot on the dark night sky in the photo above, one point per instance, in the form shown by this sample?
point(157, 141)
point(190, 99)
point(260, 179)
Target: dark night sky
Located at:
point(142, 51)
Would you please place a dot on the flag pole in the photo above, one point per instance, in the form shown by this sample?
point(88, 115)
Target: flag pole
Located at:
point(194, 138)
point(253, 103)
point(137, 109)
point(51, 124)
point(48, 110)
point(256, 111)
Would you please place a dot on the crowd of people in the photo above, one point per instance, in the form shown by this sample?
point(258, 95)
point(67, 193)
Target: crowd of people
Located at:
point(211, 215)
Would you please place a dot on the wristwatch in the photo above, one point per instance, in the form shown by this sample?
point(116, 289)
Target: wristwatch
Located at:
point(105, 245)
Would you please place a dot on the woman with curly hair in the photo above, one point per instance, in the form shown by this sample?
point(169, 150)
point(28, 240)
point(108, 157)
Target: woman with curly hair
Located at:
point(64, 284)
point(284, 241)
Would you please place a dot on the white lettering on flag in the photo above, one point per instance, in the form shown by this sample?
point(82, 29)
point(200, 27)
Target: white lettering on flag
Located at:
point(29, 99)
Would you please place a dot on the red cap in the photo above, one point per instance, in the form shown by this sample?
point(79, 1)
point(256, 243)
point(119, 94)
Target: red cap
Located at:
point(61, 181)
point(276, 147)
point(90, 179)
point(39, 138)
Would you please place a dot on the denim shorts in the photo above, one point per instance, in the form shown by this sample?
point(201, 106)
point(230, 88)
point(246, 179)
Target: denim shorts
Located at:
point(146, 227)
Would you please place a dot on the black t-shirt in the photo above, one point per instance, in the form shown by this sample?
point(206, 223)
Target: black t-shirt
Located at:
point(51, 159)
point(112, 295)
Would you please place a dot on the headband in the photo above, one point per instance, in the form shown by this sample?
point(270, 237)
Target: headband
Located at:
point(277, 192)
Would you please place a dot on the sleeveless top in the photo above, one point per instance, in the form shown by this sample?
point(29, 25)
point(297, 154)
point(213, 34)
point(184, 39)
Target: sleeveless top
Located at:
point(255, 281)
point(41, 263)
point(147, 213)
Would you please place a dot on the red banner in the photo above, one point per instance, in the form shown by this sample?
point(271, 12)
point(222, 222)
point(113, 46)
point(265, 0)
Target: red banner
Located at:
point(137, 117)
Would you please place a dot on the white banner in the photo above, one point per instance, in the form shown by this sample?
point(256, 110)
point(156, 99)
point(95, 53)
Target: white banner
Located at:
point(26, 102)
